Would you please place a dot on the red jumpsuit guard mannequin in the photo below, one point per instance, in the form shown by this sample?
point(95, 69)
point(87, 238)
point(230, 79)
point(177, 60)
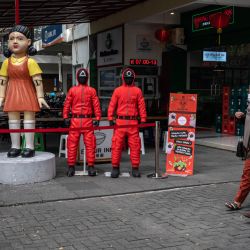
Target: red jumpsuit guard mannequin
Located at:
point(128, 102)
point(81, 100)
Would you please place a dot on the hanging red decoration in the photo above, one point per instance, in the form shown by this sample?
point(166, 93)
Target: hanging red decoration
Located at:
point(219, 21)
point(162, 35)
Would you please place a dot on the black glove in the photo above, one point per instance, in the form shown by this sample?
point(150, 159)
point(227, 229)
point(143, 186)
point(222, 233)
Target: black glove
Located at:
point(141, 129)
point(111, 123)
point(66, 122)
point(96, 123)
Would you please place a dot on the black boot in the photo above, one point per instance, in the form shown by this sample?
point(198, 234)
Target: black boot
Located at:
point(71, 171)
point(115, 172)
point(91, 171)
point(27, 153)
point(13, 152)
point(136, 172)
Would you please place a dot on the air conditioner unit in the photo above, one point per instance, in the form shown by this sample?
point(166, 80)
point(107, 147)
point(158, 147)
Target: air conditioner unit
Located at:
point(177, 36)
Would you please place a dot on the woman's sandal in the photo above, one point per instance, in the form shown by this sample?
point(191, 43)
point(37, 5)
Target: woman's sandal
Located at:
point(232, 206)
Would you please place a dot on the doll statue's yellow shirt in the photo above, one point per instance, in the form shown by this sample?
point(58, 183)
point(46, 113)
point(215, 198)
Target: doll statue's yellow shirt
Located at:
point(33, 67)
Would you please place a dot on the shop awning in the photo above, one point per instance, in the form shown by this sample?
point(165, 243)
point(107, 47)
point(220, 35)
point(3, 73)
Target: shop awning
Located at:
point(44, 12)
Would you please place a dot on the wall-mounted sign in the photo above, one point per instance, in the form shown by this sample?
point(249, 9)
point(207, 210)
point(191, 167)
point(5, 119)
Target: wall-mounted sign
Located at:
point(51, 35)
point(144, 62)
point(201, 21)
point(143, 43)
point(214, 56)
point(109, 47)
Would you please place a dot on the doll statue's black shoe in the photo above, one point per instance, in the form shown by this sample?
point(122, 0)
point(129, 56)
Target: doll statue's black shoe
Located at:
point(27, 153)
point(91, 171)
point(71, 171)
point(13, 152)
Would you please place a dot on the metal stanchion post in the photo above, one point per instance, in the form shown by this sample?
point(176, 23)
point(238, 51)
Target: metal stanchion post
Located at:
point(157, 167)
point(157, 174)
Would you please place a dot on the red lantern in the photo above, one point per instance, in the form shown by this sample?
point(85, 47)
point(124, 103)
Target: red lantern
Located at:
point(162, 35)
point(219, 21)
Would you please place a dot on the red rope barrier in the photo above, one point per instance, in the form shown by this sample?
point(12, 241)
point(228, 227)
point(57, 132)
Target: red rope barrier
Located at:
point(65, 130)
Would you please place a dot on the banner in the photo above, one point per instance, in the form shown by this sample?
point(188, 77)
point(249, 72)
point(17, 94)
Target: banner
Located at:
point(51, 35)
point(181, 134)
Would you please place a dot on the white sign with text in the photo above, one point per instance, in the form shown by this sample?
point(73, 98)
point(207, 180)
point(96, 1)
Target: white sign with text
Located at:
point(103, 144)
point(109, 47)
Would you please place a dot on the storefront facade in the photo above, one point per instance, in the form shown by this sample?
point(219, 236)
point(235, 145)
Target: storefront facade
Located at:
point(204, 76)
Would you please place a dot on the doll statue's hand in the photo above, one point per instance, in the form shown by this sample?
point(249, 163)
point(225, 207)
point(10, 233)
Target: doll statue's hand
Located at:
point(42, 102)
point(1, 101)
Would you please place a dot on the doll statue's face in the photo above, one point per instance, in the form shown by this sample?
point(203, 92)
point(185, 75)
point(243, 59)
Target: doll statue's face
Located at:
point(18, 43)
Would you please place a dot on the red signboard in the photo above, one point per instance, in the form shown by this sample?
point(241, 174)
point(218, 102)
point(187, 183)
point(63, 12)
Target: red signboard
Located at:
point(202, 21)
point(143, 62)
point(181, 134)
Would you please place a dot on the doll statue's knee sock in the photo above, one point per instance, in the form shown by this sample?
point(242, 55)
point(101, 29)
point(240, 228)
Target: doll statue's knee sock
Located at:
point(15, 137)
point(29, 137)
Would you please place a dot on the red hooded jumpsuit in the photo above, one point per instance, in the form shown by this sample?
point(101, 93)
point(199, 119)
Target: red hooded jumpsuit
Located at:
point(81, 100)
point(129, 104)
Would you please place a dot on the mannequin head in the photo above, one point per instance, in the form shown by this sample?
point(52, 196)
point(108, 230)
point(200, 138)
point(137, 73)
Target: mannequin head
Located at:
point(82, 76)
point(128, 76)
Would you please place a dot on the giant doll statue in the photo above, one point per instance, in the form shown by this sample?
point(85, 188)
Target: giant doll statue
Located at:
point(82, 102)
point(127, 104)
point(21, 89)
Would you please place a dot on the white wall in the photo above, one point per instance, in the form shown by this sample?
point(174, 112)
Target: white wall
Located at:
point(130, 33)
point(80, 52)
point(76, 32)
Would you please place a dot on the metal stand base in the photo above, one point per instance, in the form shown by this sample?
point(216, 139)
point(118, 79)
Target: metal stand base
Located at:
point(81, 173)
point(157, 176)
point(108, 174)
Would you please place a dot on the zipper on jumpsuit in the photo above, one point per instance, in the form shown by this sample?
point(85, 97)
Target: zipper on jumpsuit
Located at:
point(128, 105)
point(82, 104)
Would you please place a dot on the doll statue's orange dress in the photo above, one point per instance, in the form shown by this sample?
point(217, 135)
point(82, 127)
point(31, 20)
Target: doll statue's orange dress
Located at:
point(21, 92)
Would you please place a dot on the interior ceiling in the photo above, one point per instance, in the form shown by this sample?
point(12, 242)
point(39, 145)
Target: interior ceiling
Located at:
point(44, 12)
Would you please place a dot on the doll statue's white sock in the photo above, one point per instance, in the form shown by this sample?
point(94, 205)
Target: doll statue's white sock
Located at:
point(15, 137)
point(29, 137)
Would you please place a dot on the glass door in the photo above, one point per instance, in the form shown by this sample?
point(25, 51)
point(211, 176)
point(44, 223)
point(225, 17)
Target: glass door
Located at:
point(208, 84)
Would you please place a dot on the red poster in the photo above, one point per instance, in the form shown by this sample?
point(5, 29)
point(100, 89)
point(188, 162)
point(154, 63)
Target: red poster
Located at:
point(181, 134)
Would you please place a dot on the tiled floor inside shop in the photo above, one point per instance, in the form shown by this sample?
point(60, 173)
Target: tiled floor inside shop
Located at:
point(216, 140)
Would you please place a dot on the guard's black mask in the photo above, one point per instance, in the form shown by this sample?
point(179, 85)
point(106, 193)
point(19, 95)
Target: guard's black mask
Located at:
point(82, 76)
point(128, 76)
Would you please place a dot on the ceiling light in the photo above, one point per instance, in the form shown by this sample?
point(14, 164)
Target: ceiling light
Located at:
point(172, 13)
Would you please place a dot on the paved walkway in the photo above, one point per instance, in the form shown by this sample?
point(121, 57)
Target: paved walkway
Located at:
point(129, 213)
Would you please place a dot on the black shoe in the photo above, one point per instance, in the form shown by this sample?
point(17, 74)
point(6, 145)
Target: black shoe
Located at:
point(115, 172)
point(71, 171)
point(136, 172)
point(91, 171)
point(27, 153)
point(13, 152)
